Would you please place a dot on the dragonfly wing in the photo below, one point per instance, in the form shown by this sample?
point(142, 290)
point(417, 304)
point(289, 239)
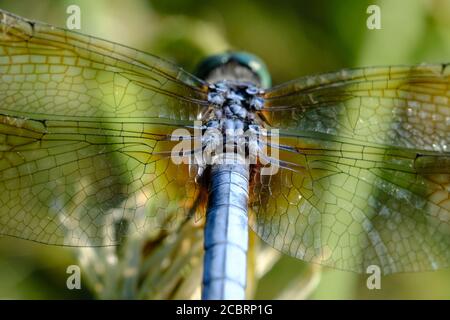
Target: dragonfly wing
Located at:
point(85, 127)
point(398, 106)
point(365, 178)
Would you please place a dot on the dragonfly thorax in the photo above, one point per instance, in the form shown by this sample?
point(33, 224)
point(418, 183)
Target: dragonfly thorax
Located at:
point(232, 124)
point(235, 100)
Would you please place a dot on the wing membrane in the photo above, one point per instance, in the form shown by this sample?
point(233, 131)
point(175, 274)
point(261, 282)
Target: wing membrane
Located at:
point(368, 182)
point(397, 106)
point(85, 130)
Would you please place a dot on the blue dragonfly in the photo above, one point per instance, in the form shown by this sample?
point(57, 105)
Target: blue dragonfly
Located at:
point(347, 169)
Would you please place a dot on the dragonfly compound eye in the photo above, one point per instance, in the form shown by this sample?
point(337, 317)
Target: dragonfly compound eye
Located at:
point(244, 67)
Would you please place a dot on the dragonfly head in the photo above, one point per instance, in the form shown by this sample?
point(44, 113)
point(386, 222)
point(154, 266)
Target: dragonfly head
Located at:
point(236, 66)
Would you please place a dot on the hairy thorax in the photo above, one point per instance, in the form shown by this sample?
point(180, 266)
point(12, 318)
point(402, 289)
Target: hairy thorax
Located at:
point(232, 126)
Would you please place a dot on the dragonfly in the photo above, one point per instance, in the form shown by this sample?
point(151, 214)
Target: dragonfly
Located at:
point(348, 169)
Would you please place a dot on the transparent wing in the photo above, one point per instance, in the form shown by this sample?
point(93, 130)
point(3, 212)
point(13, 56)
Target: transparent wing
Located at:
point(398, 106)
point(85, 129)
point(365, 175)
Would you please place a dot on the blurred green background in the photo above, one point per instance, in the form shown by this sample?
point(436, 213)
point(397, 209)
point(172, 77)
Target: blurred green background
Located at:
point(295, 38)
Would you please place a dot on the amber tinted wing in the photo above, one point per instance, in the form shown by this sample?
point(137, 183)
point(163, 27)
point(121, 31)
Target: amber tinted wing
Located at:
point(84, 130)
point(365, 175)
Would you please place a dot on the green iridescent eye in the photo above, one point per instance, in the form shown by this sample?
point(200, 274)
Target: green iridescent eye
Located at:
point(250, 61)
